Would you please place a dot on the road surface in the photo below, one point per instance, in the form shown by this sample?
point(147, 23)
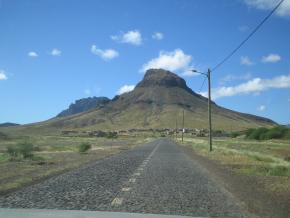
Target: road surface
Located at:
point(157, 177)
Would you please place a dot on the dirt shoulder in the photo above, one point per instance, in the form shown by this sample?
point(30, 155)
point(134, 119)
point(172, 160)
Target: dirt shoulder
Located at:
point(260, 195)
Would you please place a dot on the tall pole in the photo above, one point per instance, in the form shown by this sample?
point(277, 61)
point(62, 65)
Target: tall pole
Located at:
point(176, 128)
point(182, 124)
point(209, 110)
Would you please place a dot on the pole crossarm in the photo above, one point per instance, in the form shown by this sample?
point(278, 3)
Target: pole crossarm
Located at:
point(195, 71)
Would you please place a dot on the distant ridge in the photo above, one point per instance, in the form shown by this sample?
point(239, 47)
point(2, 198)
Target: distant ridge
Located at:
point(8, 124)
point(84, 104)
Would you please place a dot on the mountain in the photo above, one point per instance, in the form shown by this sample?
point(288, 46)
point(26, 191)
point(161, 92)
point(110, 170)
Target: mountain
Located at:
point(8, 124)
point(84, 104)
point(156, 102)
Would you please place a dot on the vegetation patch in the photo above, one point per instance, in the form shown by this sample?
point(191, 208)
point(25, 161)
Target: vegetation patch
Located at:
point(22, 150)
point(250, 157)
point(84, 147)
point(278, 132)
point(266, 170)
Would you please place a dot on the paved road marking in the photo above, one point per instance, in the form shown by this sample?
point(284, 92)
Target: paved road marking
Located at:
point(119, 199)
point(117, 202)
point(126, 189)
point(153, 152)
point(133, 180)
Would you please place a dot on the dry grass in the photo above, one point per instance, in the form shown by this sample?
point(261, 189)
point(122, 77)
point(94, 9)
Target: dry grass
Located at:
point(265, 160)
point(54, 155)
point(247, 156)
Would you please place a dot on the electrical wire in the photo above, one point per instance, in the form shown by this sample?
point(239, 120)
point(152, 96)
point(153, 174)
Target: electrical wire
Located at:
point(248, 37)
point(202, 85)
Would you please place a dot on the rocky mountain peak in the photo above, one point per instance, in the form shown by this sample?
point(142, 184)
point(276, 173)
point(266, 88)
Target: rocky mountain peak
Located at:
point(84, 104)
point(160, 77)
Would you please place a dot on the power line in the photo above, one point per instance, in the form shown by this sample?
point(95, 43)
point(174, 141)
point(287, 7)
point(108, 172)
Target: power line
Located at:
point(202, 85)
point(248, 37)
point(244, 41)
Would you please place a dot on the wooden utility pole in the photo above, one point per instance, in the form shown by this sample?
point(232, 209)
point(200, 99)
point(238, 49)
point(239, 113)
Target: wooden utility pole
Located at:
point(176, 128)
point(209, 110)
point(209, 106)
point(182, 124)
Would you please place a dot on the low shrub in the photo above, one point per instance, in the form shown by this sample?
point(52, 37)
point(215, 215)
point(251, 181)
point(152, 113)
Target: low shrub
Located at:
point(279, 132)
point(257, 133)
point(276, 133)
point(112, 135)
point(84, 147)
point(12, 151)
point(22, 150)
point(287, 158)
point(279, 171)
point(234, 134)
point(26, 150)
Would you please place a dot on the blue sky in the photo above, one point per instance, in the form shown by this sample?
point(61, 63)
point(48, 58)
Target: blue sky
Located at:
point(54, 52)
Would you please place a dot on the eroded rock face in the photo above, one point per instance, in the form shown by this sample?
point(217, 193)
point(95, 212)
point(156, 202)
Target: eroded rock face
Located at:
point(84, 104)
point(160, 77)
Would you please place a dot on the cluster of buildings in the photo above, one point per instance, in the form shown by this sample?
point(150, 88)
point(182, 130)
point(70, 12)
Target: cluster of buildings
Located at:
point(135, 131)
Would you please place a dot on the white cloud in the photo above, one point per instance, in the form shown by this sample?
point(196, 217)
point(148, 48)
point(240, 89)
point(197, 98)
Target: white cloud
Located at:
point(55, 52)
point(3, 75)
point(289, 99)
point(125, 88)
point(189, 73)
point(133, 37)
point(261, 108)
point(158, 36)
point(174, 61)
point(245, 60)
point(32, 54)
point(232, 77)
point(271, 58)
point(106, 54)
point(253, 86)
point(283, 10)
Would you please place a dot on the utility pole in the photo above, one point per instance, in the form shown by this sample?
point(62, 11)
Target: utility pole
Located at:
point(209, 110)
point(182, 124)
point(209, 106)
point(176, 128)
